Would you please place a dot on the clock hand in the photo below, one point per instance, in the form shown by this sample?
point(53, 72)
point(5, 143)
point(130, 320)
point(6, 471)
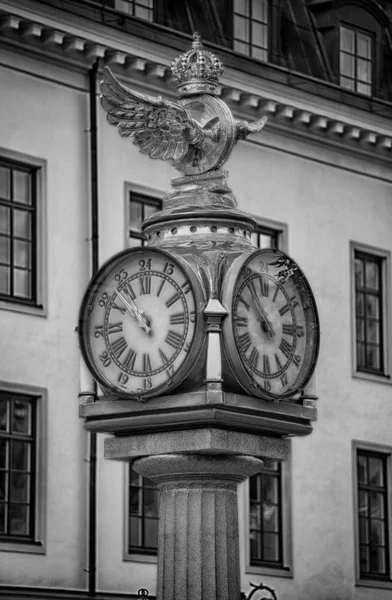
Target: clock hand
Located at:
point(264, 318)
point(136, 313)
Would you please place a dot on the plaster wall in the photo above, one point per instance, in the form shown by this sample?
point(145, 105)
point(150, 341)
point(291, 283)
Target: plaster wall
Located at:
point(48, 120)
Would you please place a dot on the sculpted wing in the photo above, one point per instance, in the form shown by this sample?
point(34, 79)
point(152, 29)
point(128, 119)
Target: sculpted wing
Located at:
point(160, 128)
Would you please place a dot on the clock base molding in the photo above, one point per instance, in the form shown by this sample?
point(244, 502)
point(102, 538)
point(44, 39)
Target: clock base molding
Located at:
point(233, 412)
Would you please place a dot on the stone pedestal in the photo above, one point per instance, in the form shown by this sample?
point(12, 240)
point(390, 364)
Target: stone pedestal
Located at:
point(198, 557)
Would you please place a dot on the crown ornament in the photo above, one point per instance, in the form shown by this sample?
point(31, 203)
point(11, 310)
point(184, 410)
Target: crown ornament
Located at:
point(197, 71)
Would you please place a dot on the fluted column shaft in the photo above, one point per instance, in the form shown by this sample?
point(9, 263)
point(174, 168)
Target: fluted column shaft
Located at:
point(198, 557)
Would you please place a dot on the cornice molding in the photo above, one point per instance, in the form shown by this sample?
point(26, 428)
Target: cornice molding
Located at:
point(148, 66)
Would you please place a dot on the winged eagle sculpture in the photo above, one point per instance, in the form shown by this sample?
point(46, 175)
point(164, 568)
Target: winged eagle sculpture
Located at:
point(168, 131)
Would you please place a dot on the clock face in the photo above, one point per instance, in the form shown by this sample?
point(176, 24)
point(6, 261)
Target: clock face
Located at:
point(274, 326)
point(138, 323)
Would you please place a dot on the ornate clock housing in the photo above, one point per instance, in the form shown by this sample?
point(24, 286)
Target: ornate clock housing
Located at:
point(271, 337)
point(138, 325)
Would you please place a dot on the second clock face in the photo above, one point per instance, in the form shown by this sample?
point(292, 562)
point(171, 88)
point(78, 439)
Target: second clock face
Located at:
point(274, 324)
point(138, 323)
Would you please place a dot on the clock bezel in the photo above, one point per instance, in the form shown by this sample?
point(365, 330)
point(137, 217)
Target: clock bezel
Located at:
point(89, 297)
point(242, 374)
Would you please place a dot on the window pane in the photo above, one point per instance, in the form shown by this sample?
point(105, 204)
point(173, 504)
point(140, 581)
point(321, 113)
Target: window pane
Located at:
point(373, 332)
point(22, 187)
point(149, 210)
point(242, 6)
point(123, 6)
point(347, 40)
point(3, 453)
point(3, 486)
point(151, 533)
point(4, 219)
point(372, 280)
point(359, 273)
point(20, 491)
point(4, 280)
point(376, 505)
point(270, 488)
point(364, 71)
point(360, 304)
point(5, 183)
point(150, 502)
point(4, 249)
point(22, 285)
point(271, 547)
point(363, 531)
point(347, 65)
point(134, 531)
point(377, 533)
point(373, 357)
point(259, 54)
point(260, 10)
point(241, 47)
point(22, 253)
point(135, 242)
point(362, 469)
point(259, 35)
point(376, 476)
point(3, 517)
point(19, 518)
point(271, 518)
point(143, 13)
point(20, 456)
point(347, 83)
point(364, 88)
point(364, 559)
point(4, 415)
point(22, 223)
point(372, 306)
point(361, 330)
point(136, 215)
point(377, 560)
point(21, 416)
point(364, 45)
point(241, 29)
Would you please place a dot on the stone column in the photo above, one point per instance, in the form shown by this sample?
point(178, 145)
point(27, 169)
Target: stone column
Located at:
point(198, 556)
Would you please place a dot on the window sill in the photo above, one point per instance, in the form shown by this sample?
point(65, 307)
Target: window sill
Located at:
point(27, 309)
point(269, 571)
point(141, 558)
point(24, 547)
point(372, 377)
point(374, 583)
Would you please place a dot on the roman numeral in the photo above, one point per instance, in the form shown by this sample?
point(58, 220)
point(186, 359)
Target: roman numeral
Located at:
point(296, 359)
point(173, 299)
point(285, 348)
point(266, 364)
point(276, 293)
point(120, 308)
point(252, 288)
point(173, 339)
point(163, 356)
point(244, 341)
point(161, 287)
point(146, 363)
point(129, 361)
point(118, 346)
point(177, 319)
point(145, 284)
point(279, 364)
point(244, 302)
point(128, 289)
point(241, 321)
point(115, 327)
point(284, 379)
point(264, 286)
point(254, 357)
point(287, 306)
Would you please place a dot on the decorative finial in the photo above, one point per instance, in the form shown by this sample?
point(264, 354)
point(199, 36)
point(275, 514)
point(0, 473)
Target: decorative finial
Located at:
point(197, 71)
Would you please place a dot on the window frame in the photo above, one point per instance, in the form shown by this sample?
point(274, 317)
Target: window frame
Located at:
point(277, 228)
point(38, 544)
point(250, 21)
point(358, 445)
point(286, 569)
point(372, 61)
point(14, 304)
point(385, 266)
point(131, 556)
point(155, 196)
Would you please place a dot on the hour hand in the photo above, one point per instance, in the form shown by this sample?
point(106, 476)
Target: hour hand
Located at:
point(136, 314)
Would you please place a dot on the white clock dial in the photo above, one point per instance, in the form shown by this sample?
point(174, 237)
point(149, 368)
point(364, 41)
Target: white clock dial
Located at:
point(138, 323)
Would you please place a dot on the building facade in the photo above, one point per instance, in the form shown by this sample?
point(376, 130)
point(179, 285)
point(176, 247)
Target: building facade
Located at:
point(317, 179)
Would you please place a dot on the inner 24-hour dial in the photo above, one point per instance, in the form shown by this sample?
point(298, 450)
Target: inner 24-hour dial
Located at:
point(138, 322)
point(275, 324)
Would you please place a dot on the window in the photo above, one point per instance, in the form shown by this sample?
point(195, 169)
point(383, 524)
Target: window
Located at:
point(270, 234)
point(22, 233)
point(21, 472)
point(372, 477)
point(139, 207)
point(143, 515)
point(370, 294)
point(136, 8)
point(251, 28)
point(355, 60)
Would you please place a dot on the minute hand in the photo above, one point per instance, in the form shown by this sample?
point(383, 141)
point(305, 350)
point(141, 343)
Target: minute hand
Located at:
point(133, 309)
point(263, 314)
